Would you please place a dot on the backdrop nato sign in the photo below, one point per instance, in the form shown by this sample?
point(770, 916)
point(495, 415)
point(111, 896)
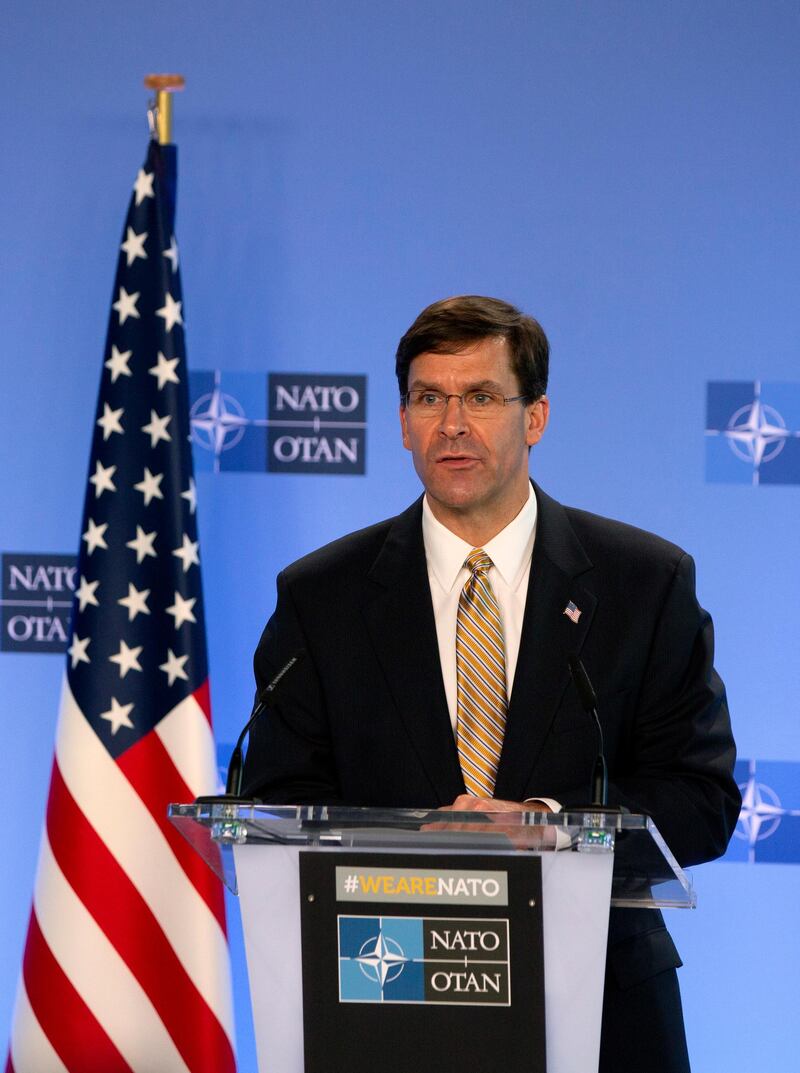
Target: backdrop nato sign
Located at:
point(36, 601)
point(280, 423)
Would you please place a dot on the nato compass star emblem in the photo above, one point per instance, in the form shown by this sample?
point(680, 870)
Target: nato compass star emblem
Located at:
point(762, 812)
point(381, 959)
point(754, 430)
point(218, 421)
point(756, 433)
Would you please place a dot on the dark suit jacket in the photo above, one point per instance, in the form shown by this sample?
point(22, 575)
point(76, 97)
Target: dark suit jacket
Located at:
point(363, 719)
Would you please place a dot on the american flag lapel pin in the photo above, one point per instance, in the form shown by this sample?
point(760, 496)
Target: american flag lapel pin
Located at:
point(572, 611)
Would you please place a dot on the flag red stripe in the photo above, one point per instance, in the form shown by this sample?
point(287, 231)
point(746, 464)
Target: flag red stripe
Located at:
point(130, 926)
point(9, 1065)
point(203, 697)
point(74, 1032)
point(148, 767)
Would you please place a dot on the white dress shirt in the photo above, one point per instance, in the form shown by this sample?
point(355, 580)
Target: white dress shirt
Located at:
point(510, 552)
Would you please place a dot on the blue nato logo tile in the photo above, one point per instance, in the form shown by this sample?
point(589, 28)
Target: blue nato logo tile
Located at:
point(228, 414)
point(279, 423)
point(380, 959)
point(752, 432)
point(768, 830)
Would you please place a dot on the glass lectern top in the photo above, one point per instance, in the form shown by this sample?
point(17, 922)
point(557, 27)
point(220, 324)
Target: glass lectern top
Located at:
point(646, 874)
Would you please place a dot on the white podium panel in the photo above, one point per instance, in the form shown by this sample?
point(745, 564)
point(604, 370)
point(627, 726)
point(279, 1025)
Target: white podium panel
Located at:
point(576, 891)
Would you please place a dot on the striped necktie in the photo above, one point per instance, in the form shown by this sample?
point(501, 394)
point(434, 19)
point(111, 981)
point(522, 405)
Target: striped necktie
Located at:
point(480, 678)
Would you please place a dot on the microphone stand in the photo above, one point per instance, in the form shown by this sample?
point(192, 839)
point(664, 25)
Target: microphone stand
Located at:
point(599, 785)
point(233, 783)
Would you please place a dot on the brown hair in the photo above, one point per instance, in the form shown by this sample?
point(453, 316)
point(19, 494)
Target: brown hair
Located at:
point(448, 326)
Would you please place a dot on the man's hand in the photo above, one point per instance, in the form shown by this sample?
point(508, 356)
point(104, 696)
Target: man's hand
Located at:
point(469, 803)
point(519, 834)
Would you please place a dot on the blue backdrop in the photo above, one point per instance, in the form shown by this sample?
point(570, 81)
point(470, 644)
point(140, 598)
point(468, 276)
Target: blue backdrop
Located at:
point(626, 172)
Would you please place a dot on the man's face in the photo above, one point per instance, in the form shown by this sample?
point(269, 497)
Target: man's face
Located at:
point(474, 467)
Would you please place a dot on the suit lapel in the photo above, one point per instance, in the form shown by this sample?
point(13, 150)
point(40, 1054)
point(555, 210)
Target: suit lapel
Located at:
point(398, 612)
point(548, 638)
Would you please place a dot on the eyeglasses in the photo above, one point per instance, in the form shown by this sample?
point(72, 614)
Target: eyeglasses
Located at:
point(424, 402)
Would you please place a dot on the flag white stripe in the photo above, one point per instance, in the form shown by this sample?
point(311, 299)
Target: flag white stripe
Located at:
point(131, 835)
point(31, 1050)
point(187, 736)
point(98, 973)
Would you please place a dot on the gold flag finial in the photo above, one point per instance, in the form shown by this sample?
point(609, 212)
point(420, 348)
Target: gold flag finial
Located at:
point(160, 112)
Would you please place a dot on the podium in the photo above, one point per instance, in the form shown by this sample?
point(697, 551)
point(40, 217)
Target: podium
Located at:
point(404, 940)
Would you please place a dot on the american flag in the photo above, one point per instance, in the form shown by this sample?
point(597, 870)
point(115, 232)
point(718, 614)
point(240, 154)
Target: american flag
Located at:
point(126, 962)
point(572, 611)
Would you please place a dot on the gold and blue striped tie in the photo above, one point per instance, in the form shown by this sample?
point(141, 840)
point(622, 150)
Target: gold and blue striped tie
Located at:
point(481, 678)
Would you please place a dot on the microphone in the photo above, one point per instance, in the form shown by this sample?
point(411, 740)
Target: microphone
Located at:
point(588, 699)
point(233, 783)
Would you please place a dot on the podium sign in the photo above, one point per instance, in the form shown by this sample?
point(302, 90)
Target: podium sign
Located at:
point(396, 950)
point(413, 942)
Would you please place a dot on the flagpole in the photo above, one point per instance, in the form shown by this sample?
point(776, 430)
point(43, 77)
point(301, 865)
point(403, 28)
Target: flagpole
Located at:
point(163, 86)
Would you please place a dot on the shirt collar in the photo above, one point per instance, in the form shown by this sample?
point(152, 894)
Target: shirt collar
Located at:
point(510, 551)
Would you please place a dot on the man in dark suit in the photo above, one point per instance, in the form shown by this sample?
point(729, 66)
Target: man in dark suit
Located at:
point(384, 711)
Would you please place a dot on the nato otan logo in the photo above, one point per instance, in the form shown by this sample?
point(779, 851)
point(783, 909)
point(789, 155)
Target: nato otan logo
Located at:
point(768, 831)
point(283, 423)
point(36, 601)
point(459, 961)
point(753, 432)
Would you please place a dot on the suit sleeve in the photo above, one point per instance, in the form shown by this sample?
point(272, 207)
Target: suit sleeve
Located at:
point(290, 759)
